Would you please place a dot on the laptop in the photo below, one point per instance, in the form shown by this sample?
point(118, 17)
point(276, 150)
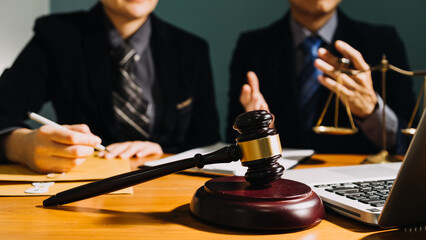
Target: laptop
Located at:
point(387, 195)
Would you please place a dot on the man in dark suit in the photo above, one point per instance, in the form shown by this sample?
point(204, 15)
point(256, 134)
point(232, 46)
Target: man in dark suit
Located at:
point(70, 61)
point(268, 67)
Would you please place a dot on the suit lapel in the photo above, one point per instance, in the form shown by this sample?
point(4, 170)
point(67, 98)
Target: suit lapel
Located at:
point(286, 60)
point(280, 68)
point(96, 48)
point(166, 88)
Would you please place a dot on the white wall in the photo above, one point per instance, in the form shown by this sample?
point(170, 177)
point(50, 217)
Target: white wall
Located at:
point(16, 23)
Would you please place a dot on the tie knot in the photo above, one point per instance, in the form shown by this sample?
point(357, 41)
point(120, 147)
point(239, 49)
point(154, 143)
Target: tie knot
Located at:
point(123, 54)
point(311, 45)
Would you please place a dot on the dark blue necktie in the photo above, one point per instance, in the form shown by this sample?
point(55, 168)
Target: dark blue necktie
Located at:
point(308, 82)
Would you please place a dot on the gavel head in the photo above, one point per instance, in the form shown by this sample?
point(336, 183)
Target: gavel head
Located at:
point(260, 146)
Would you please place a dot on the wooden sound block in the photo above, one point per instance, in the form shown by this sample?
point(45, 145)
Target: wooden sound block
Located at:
point(233, 202)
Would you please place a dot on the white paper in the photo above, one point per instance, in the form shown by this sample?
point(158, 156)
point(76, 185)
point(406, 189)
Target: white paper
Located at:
point(291, 158)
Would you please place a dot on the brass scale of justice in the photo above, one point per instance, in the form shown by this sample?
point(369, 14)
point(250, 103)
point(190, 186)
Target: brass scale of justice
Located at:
point(384, 66)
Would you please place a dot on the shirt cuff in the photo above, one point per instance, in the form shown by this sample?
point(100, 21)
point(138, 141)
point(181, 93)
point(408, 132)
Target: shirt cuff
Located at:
point(373, 124)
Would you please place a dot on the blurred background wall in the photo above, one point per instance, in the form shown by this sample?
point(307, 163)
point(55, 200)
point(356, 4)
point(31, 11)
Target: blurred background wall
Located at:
point(220, 22)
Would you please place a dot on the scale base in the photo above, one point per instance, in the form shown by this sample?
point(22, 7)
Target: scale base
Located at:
point(233, 202)
point(382, 157)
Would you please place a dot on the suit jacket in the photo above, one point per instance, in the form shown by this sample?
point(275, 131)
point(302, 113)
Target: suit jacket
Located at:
point(68, 61)
point(269, 53)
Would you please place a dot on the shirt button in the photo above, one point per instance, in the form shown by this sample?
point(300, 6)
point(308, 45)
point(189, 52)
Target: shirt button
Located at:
point(137, 57)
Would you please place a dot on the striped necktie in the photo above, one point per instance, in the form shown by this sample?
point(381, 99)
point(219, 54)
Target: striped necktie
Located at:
point(308, 82)
point(128, 102)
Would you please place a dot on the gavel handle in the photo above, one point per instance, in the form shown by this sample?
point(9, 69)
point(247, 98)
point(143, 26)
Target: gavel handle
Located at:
point(114, 183)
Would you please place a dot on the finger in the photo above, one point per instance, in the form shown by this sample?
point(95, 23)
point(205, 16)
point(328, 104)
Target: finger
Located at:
point(352, 54)
point(66, 136)
point(334, 86)
point(56, 164)
point(131, 150)
point(256, 101)
point(143, 153)
point(325, 67)
point(115, 149)
point(83, 128)
point(63, 150)
point(101, 154)
point(245, 95)
point(259, 102)
point(149, 151)
point(329, 70)
point(150, 148)
point(75, 151)
point(328, 57)
point(253, 81)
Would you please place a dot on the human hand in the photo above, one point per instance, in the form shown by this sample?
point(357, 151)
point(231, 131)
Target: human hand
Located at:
point(138, 149)
point(358, 89)
point(51, 149)
point(251, 98)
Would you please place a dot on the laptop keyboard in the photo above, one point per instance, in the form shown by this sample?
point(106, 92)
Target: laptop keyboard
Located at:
point(373, 193)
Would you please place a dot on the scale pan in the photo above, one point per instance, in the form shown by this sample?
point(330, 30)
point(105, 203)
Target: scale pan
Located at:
point(408, 131)
point(334, 130)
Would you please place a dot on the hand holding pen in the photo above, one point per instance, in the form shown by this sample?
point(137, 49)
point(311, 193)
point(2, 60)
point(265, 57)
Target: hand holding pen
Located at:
point(52, 147)
point(45, 121)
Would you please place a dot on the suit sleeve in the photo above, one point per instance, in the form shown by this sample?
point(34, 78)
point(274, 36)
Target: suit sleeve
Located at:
point(238, 71)
point(23, 87)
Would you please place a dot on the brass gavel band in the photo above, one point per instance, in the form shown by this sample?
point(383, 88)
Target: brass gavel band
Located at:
point(260, 148)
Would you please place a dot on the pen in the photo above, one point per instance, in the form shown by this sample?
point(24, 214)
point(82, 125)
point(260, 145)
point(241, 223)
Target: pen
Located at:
point(45, 121)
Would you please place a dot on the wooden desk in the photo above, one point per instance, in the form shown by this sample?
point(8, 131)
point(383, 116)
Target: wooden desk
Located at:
point(159, 209)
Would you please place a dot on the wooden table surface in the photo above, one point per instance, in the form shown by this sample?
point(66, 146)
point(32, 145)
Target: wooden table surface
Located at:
point(159, 209)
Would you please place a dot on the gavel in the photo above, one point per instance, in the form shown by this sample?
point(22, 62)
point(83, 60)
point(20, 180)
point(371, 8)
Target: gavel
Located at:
point(258, 147)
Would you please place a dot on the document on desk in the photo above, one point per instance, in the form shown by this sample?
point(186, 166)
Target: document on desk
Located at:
point(92, 169)
point(18, 180)
point(290, 158)
point(8, 189)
